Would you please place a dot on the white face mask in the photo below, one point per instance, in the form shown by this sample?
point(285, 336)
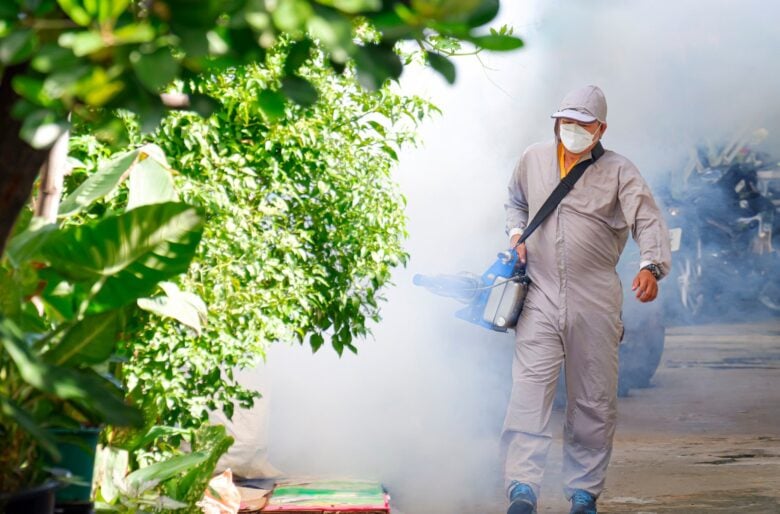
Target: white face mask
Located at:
point(575, 138)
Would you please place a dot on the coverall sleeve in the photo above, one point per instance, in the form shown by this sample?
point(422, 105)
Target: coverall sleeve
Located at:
point(641, 212)
point(516, 206)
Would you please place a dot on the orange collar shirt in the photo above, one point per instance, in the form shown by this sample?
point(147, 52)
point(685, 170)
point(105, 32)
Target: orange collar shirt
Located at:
point(564, 170)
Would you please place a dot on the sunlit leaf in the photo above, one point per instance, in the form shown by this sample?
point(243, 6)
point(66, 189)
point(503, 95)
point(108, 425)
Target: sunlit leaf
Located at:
point(98, 184)
point(140, 480)
point(89, 341)
point(76, 11)
point(150, 182)
point(186, 308)
point(125, 256)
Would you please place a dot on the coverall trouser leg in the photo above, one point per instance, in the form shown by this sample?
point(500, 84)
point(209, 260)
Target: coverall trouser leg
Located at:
point(591, 366)
point(536, 365)
point(588, 345)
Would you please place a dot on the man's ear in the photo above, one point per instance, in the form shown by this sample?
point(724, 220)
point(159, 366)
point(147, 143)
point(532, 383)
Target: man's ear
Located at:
point(603, 129)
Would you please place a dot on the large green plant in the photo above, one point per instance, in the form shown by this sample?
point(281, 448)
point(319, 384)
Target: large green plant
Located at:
point(69, 295)
point(304, 226)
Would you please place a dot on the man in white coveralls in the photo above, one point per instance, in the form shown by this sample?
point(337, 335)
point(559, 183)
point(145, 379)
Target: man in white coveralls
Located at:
point(572, 310)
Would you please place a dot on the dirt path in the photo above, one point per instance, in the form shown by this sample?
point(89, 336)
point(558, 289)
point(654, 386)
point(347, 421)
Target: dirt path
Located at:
point(706, 438)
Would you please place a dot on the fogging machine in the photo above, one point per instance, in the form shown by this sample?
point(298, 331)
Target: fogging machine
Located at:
point(494, 300)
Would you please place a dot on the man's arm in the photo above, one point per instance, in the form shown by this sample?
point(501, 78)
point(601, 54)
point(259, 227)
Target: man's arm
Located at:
point(516, 210)
point(648, 229)
point(516, 206)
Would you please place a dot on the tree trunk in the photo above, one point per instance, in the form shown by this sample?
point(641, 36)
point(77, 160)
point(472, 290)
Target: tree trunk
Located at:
point(19, 162)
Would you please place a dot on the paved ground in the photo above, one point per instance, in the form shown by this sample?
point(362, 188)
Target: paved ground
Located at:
point(705, 438)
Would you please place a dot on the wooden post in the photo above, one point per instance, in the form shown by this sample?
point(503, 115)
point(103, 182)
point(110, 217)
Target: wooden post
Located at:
point(52, 178)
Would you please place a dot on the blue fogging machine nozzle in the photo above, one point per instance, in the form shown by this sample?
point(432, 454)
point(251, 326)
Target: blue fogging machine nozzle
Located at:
point(494, 299)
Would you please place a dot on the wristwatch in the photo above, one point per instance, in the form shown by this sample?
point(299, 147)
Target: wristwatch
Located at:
point(654, 269)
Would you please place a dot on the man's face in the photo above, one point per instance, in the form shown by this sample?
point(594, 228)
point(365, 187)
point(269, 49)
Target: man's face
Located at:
point(595, 127)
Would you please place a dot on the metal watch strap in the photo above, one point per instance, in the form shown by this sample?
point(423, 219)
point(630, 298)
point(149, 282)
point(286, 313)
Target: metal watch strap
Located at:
point(654, 269)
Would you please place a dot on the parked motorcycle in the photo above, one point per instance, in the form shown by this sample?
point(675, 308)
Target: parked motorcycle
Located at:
point(721, 212)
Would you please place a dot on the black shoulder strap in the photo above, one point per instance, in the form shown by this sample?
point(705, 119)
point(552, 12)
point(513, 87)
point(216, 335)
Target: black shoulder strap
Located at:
point(566, 184)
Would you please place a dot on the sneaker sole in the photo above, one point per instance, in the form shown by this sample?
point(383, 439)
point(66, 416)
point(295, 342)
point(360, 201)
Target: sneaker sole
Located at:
point(521, 507)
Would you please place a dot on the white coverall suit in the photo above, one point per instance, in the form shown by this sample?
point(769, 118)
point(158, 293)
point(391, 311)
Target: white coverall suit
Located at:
point(572, 312)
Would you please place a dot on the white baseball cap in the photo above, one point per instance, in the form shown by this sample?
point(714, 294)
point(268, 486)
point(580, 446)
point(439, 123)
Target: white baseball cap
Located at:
point(586, 104)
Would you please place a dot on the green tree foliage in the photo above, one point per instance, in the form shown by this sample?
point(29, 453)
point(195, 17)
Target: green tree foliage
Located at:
point(304, 224)
point(79, 56)
point(65, 60)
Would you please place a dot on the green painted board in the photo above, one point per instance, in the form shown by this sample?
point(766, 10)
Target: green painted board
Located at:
point(328, 496)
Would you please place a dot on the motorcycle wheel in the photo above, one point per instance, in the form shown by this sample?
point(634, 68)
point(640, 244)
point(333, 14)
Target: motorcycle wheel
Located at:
point(641, 350)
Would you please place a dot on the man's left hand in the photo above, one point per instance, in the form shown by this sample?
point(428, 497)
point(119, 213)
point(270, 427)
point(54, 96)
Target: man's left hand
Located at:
point(646, 286)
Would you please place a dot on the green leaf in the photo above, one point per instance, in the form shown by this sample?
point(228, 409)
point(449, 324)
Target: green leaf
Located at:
point(9, 409)
point(9, 11)
point(272, 103)
point(134, 33)
point(99, 184)
point(154, 433)
point(143, 479)
point(52, 57)
point(82, 43)
point(124, 257)
point(297, 55)
point(291, 15)
point(443, 65)
point(186, 308)
point(17, 46)
point(25, 245)
point(333, 31)
point(90, 341)
point(110, 10)
point(299, 90)
point(485, 12)
point(353, 6)
point(86, 388)
point(377, 63)
point(155, 70)
point(316, 341)
point(214, 441)
point(150, 182)
point(497, 42)
point(76, 11)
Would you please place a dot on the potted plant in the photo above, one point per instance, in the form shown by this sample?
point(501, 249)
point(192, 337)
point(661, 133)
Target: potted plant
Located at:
point(69, 290)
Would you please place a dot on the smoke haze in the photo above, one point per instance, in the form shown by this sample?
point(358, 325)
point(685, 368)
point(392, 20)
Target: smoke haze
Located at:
point(420, 408)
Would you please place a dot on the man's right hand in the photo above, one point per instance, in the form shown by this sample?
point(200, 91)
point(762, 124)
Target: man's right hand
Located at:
point(521, 251)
